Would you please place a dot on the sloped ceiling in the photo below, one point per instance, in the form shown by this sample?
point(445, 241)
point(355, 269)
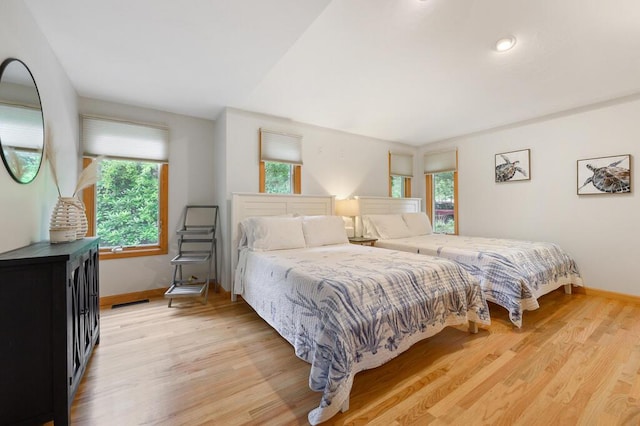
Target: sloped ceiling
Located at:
point(403, 70)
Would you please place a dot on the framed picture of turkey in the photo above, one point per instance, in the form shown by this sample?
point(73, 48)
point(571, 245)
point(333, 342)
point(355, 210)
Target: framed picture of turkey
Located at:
point(604, 175)
point(513, 166)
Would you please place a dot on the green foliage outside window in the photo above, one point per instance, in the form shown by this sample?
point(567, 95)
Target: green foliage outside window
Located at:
point(127, 203)
point(443, 187)
point(397, 186)
point(278, 178)
point(23, 163)
point(443, 195)
point(443, 226)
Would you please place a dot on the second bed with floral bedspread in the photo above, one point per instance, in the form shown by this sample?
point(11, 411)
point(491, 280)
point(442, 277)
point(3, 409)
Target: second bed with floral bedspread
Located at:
point(512, 273)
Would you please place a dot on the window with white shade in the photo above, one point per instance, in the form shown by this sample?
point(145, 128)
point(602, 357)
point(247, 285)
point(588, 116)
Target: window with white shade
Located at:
point(127, 208)
point(121, 139)
point(280, 162)
point(400, 174)
point(441, 176)
point(21, 133)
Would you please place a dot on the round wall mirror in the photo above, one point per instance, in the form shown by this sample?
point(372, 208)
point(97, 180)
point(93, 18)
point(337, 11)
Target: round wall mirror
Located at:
point(21, 121)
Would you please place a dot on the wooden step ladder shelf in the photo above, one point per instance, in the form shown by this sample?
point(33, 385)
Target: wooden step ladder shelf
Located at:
point(197, 245)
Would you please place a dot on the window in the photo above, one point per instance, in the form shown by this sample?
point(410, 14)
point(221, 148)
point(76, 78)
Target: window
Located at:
point(280, 162)
point(21, 133)
point(443, 203)
point(280, 178)
point(400, 187)
point(441, 191)
point(127, 208)
point(400, 173)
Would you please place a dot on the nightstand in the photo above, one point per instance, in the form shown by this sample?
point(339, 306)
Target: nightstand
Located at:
point(362, 241)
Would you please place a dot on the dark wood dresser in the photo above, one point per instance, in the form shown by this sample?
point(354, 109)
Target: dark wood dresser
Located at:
point(49, 325)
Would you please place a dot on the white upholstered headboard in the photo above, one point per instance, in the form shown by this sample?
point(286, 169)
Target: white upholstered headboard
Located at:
point(244, 205)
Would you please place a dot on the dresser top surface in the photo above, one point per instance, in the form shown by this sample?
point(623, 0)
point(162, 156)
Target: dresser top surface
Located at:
point(45, 250)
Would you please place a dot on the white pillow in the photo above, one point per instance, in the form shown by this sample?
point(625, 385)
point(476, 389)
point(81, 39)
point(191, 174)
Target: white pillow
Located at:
point(273, 233)
point(243, 235)
point(324, 230)
point(418, 223)
point(390, 226)
point(245, 230)
point(369, 228)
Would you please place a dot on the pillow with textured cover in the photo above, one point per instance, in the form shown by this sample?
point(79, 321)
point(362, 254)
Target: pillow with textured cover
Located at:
point(369, 228)
point(324, 230)
point(267, 233)
point(418, 223)
point(390, 226)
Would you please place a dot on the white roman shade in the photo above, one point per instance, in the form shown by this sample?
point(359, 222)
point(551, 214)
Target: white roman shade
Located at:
point(401, 165)
point(440, 162)
point(121, 139)
point(21, 127)
point(280, 147)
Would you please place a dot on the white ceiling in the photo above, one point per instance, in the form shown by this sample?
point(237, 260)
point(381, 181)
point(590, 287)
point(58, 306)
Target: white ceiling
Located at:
point(402, 70)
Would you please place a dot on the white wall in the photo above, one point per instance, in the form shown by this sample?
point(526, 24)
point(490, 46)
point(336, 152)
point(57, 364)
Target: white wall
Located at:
point(600, 231)
point(25, 209)
point(191, 178)
point(335, 162)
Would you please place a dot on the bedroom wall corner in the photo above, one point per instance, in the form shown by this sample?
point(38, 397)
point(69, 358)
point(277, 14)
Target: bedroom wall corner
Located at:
point(221, 197)
point(25, 209)
point(599, 231)
point(191, 152)
point(335, 162)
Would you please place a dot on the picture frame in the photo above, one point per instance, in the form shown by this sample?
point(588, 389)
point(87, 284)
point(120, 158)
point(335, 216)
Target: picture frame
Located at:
point(513, 166)
point(604, 175)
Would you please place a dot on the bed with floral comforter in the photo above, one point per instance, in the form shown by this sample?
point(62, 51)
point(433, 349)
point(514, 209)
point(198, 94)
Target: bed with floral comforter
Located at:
point(348, 308)
point(512, 273)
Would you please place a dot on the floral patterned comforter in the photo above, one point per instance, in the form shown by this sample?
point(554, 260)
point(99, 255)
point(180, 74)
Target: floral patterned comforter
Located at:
point(512, 273)
point(348, 308)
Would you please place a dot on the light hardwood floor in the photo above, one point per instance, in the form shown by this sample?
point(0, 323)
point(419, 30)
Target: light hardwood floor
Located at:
point(575, 361)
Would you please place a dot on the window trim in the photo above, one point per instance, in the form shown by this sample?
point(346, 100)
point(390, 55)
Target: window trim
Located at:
point(89, 199)
point(296, 178)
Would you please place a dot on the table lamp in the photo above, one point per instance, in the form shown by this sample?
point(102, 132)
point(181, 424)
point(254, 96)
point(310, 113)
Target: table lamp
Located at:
point(350, 208)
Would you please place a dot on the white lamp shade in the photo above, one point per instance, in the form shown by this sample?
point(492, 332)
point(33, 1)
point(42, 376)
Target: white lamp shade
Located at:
point(347, 207)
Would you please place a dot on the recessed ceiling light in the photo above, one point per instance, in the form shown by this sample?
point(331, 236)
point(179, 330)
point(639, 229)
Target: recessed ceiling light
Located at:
point(505, 43)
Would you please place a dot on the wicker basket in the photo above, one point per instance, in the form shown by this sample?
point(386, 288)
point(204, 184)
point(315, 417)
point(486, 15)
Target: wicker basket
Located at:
point(68, 214)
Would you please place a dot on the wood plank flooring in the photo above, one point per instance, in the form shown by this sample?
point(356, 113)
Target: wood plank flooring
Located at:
point(576, 361)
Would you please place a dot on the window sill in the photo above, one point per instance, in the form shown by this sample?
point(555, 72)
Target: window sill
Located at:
point(107, 254)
